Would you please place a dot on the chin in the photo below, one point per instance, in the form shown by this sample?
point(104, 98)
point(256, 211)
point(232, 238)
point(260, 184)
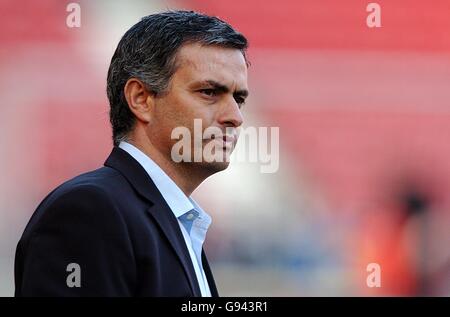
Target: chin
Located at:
point(217, 166)
point(205, 169)
point(210, 168)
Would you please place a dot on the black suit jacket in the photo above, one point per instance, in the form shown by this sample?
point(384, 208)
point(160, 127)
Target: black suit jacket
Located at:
point(114, 223)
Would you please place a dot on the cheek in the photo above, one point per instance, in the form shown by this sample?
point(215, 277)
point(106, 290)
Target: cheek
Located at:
point(180, 110)
point(168, 116)
point(190, 109)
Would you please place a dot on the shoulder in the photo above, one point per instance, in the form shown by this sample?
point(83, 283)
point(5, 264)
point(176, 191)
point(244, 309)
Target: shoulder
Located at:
point(95, 182)
point(88, 196)
point(103, 184)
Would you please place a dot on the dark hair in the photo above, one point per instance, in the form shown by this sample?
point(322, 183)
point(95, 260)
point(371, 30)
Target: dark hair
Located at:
point(147, 51)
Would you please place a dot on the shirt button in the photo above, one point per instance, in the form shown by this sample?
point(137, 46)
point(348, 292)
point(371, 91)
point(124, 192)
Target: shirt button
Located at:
point(190, 216)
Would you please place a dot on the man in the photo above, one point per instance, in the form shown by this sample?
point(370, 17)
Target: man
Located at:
point(130, 228)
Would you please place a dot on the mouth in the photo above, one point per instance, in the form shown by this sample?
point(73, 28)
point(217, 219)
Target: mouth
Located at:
point(231, 139)
point(227, 141)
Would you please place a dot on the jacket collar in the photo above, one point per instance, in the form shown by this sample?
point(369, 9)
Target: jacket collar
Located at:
point(121, 161)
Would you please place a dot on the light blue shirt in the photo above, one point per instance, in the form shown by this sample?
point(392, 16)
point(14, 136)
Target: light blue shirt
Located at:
point(193, 220)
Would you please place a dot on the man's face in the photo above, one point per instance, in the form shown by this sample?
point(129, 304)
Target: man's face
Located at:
point(209, 84)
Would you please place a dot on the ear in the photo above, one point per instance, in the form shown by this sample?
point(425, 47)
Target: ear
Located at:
point(139, 99)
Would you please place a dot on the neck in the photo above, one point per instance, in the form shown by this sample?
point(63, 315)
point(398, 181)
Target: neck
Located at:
point(183, 177)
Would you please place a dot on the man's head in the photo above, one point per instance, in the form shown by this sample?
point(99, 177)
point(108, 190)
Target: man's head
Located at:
point(171, 68)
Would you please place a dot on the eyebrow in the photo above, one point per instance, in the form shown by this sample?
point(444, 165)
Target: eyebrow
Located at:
point(223, 88)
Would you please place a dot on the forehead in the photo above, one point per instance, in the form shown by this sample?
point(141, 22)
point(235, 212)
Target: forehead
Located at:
point(226, 65)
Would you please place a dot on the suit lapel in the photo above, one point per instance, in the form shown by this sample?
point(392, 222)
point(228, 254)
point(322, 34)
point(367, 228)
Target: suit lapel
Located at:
point(171, 228)
point(159, 210)
point(209, 276)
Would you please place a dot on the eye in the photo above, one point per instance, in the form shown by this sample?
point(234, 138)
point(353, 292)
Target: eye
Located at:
point(208, 92)
point(240, 101)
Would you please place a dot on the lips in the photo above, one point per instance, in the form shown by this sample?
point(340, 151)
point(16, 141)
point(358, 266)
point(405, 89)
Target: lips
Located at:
point(226, 143)
point(226, 138)
point(229, 139)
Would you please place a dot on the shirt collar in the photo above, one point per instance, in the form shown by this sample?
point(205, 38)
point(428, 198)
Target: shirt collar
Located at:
point(178, 202)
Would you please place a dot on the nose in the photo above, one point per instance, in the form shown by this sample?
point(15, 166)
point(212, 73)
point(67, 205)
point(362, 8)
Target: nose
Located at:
point(231, 115)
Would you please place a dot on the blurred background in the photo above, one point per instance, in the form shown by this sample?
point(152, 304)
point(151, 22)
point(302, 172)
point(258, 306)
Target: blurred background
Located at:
point(364, 119)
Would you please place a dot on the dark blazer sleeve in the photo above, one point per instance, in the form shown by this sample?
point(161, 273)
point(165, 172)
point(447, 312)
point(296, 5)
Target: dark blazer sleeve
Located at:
point(80, 226)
